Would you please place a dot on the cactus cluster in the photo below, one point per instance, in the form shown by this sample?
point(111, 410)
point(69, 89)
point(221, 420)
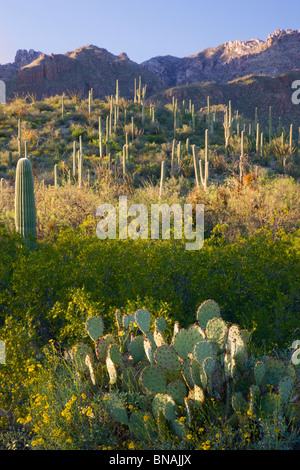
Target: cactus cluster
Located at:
point(207, 360)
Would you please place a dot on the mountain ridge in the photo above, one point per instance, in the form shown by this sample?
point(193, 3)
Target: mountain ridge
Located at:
point(234, 59)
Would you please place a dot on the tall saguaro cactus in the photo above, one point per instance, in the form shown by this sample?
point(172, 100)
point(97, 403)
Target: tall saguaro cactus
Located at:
point(19, 138)
point(25, 212)
point(162, 178)
point(241, 163)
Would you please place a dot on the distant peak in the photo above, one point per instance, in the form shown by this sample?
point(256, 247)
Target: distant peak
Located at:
point(123, 56)
point(282, 32)
point(24, 57)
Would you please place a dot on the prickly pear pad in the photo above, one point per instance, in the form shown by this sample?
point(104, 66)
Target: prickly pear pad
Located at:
point(115, 355)
point(79, 353)
point(160, 324)
point(216, 331)
point(94, 327)
point(143, 320)
point(136, 348)
point(115, 408)
point(165, 356)
point(202, 350)
point(164, 403)
point(102, 345)
point(177, 390)
point(148, 347)
point(207, 310)
point(153, 379)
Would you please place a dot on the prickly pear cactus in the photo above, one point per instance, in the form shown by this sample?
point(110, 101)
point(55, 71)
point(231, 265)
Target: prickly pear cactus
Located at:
point(115, 355)
point(102, 345)
point(179, 343)
point(153, 379)
point(128, 322)
point(142, 426)
point(259, 372)
point(136, 348)
point(207, 310)
point(112, 371)
point(285, 389)
point(149, 350)
point(94, 327)
point(202, 350)
point(115, 408)
point(143, 320)
point(160, 324)
point(159, 338)
point(165, 404)
point(236, 345)
point(178, 391)
point(239, 403)
point(78, 354)
point(216, 331)
point(206, 360)
point(166, 357)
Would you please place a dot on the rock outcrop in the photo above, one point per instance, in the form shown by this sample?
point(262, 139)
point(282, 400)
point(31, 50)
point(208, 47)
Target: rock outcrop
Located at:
point(80, 70)
point(22, 58)
point(278, 54)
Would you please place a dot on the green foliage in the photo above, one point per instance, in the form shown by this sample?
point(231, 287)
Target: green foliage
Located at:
point(110, 305)
point(168, 404)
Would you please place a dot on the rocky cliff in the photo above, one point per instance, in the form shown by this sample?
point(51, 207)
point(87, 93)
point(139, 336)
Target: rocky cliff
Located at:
point(278, 54)
point(85, 68)
point(22, 58)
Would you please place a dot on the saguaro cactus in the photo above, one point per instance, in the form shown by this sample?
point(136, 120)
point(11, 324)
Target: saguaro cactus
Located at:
point(162, 178)
point(204, 177)
point(19, 138)
point(241, 163)
point(196, 167)
point(63, 106)
point(25, 212)
point(270, 123)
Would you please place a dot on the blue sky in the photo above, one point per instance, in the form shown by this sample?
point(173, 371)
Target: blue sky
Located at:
point(141, 29)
